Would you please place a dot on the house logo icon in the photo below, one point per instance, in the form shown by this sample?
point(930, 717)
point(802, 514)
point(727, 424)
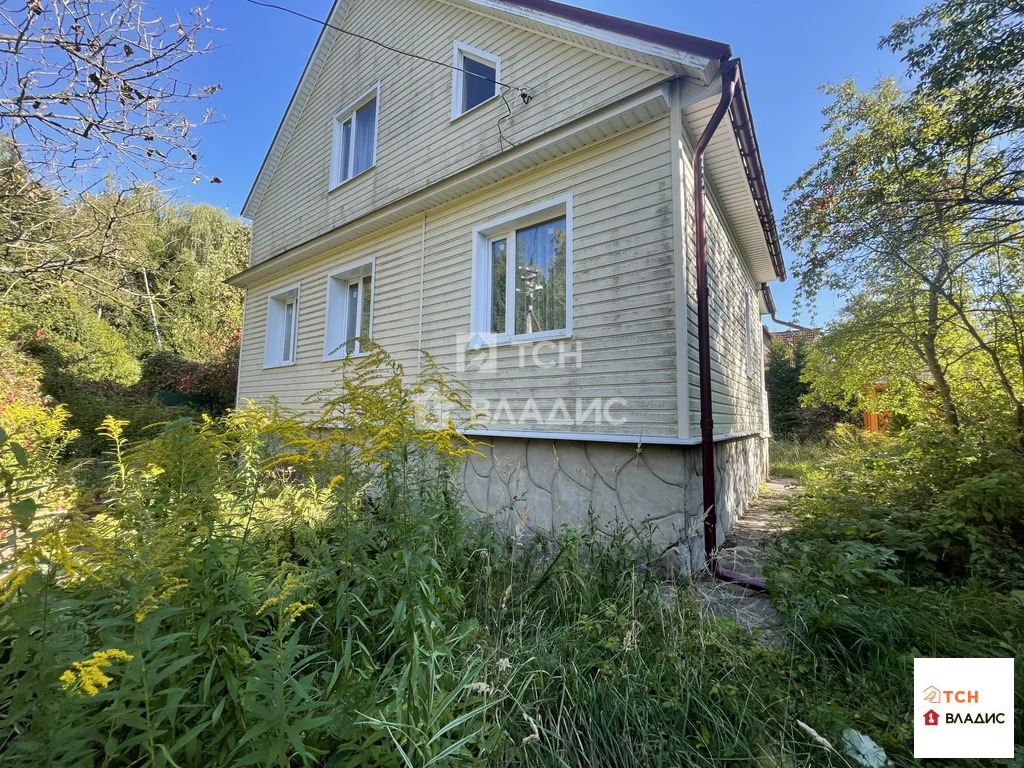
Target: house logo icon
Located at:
point(931, 717)
point(932, 695)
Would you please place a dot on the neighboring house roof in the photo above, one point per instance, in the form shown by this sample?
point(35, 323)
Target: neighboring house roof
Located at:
point(792, 338)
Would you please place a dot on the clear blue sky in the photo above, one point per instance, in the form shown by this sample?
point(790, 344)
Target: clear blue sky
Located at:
point(788, 47)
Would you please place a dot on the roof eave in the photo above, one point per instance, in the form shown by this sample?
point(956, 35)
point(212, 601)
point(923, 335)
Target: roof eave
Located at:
point(742, 120)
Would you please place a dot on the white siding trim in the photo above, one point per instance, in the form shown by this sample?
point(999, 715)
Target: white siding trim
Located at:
point(677, 158)
point(602, 35)
point(423, 272)
point(604, 438)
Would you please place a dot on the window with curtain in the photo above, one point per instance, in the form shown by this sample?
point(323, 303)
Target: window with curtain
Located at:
point(354, 148)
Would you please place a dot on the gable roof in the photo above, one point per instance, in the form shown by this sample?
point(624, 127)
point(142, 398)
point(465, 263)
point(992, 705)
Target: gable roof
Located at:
point(700, 55)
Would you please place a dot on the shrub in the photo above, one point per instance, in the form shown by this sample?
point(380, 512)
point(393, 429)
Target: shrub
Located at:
point(28, 419)
point(904, 546)
point(209, 385)
point(89, 402)
point(72, 339)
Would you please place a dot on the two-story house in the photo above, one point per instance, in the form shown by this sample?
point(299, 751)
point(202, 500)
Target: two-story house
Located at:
point(534, 194)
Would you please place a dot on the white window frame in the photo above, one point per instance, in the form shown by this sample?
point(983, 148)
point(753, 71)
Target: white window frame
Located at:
point(481, 304)
point(460, 51)
point(338, 281)
point(277, 302)
point(341, 117)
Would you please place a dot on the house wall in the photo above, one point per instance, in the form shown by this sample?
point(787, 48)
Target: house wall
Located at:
point(418, 143)
point(537, 486)
point(623, 294)
point(735, 323)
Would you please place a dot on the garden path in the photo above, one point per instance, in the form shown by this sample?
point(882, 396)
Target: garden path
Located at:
point(766, 516)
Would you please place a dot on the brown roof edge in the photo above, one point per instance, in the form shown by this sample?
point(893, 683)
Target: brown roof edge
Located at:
point(769, 300)
point(700, 46)
point(743, 126)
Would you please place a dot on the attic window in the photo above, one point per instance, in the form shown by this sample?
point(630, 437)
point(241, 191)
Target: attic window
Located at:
point(476, 77)
point(354, 138)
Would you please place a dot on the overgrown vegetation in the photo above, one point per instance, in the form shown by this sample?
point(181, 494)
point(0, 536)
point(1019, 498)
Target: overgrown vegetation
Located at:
point(799, 461)
point(149, 333)
point(254, 590)
point(259, 590)
point(904, 546)
point(261, 587)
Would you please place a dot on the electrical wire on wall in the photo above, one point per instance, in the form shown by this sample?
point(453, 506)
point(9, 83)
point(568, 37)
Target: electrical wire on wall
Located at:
point(503, 88)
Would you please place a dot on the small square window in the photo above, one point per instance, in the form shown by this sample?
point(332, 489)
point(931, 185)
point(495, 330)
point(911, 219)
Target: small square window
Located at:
point(349, 311)
point(522, 283)
point(354, 142)
point(282, 328)
point(476, 77)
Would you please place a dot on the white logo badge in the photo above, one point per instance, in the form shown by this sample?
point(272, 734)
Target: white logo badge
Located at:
point(963, 708)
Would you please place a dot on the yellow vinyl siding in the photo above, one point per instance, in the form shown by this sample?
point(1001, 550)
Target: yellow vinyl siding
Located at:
point(736, 397)
point(622, 303)
point(417, 143)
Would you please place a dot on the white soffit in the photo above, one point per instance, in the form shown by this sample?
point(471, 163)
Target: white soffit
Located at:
point(618, 46)
point(727, 182)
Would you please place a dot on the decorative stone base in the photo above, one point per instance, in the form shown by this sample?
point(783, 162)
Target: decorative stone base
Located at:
point(538, 485)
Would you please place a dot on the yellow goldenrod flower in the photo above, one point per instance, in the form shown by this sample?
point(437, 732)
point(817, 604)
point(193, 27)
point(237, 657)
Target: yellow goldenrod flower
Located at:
point(87, 675)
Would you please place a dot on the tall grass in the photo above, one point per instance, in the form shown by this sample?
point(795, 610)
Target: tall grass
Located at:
point(801, 461)
point(265, 589)
point(283, 590)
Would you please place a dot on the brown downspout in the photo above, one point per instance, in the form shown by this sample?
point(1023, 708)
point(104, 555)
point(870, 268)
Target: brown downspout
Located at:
point(730, 83)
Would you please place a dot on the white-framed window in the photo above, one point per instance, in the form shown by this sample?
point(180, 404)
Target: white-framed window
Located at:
point(282, 327)
point(349, 309)
point(475, 78)
point(354, 138)
point(522, 276)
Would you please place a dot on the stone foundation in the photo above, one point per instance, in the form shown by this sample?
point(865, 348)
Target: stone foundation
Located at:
point(538, 485)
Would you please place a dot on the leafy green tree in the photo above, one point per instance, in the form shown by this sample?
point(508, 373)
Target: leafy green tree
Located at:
point(863, 220)
point(972, 53)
